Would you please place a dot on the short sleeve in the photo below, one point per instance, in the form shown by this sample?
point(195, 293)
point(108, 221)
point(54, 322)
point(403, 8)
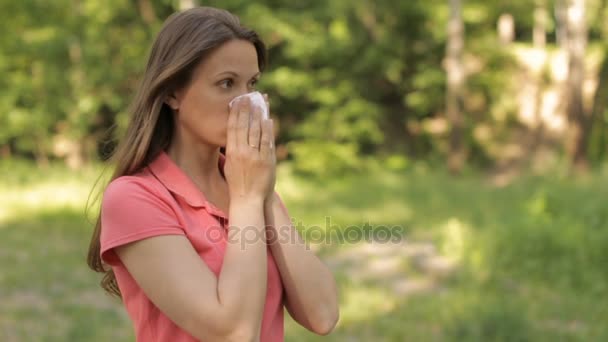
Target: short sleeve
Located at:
point(130, 211)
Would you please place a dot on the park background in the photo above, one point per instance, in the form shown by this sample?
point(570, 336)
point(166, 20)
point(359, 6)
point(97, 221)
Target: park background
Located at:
point(478, 128)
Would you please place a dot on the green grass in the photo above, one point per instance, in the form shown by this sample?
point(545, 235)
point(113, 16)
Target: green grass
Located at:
point(531, 256)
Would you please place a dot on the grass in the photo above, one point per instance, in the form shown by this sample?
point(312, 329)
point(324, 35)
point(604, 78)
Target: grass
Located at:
point(531, 257)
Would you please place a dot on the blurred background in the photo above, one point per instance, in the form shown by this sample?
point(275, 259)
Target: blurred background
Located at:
point(477, 129)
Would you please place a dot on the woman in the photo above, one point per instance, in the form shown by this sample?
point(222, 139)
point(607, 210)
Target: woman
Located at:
point(186, 235)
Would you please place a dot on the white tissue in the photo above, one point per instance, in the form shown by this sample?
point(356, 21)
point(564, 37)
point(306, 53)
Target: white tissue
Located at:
point(257, 101)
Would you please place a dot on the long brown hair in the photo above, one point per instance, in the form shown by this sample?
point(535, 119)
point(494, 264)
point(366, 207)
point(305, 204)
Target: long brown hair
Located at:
point(185, 39)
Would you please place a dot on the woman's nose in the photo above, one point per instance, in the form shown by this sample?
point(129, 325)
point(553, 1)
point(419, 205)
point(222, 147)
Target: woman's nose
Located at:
point(243, 89)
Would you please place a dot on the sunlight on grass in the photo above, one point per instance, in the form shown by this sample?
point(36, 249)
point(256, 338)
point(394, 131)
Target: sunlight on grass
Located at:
point(455, 236)
point(363, 303)
point(19, 202)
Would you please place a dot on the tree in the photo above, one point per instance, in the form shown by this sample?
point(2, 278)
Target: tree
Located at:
point(561, 20)
point(455, 83)
point(540, 24)
point(580, 123)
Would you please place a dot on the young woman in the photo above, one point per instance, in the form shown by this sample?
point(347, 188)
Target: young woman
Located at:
point(194, 242)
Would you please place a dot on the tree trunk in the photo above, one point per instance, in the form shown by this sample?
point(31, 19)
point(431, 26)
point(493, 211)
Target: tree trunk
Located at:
point(146, 10)
point(5, 151)
point(540, 24)
point(561, 34)
point(539, 40)
point(579, 122)
point(506, 29)
point(455, 83)
point(40, 153)
point(600, 105)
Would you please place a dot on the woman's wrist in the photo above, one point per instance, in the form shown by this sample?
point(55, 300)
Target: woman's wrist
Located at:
point(247, 201)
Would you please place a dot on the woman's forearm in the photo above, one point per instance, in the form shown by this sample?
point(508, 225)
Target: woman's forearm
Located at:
point(242, 280)
point(310, 287)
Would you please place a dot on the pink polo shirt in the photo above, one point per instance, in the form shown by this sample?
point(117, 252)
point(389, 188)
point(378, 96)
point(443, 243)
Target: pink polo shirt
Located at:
point(162, 200)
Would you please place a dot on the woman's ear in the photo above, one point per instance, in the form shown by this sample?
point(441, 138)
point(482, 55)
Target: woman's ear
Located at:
point(172, 101)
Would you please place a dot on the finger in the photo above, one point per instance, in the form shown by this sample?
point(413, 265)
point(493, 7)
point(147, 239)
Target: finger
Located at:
point(255, 127)
point(267, 138)
point(267, 104)
point(242, 125)
point(231, 139)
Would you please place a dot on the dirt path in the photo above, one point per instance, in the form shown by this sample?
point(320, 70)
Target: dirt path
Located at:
point(402, 269)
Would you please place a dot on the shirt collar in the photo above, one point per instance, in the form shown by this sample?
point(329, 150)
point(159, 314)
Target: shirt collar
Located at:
point(178, 183)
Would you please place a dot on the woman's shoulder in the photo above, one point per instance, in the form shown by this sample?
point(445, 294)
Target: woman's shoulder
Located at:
point(134, 186)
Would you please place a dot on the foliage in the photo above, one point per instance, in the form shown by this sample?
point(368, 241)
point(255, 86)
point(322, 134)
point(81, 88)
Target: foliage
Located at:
point(347, 79)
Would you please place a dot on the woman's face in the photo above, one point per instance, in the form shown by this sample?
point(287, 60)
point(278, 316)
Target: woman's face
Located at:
point(201, 108)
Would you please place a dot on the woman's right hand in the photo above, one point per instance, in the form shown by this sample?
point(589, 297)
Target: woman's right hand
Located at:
point(250, 154)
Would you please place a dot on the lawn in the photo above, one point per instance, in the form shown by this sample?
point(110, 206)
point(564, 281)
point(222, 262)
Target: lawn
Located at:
point(470, 261)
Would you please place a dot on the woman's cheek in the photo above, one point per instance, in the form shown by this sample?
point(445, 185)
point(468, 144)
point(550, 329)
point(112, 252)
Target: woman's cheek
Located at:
point(223, 124)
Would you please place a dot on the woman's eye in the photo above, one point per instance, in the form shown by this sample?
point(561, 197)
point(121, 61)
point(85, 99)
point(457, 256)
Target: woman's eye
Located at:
point(253, 83)
point(227, 83)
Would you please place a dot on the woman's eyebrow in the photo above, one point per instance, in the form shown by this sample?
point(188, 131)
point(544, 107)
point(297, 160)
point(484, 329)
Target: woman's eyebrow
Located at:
point(234, 74)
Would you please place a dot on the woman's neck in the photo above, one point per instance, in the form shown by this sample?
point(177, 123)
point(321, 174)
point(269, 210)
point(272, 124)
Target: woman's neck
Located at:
point(199, 162)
